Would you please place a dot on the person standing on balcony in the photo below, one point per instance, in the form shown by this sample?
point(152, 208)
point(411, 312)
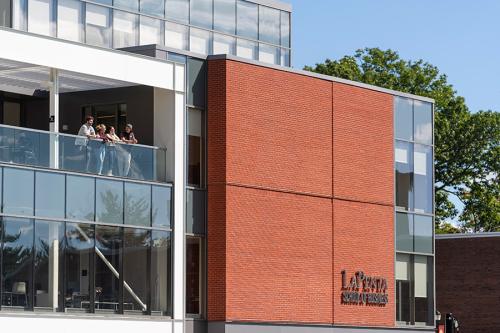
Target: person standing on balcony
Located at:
point(113, 139)
point(128, 136)
point(101, 153)
point(87, 131)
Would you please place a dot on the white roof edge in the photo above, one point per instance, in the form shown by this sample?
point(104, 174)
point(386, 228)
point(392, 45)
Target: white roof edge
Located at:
point(323, 77)
point(275, 4)
point(463, 236)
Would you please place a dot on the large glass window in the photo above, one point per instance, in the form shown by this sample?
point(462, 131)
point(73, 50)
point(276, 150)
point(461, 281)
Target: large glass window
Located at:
point(80, 198)
point(269, 54)
point(17, 262)
point(153, 7)
point(285, 57)
point(49, 194)
point(70, 20)
point(109, 201)
point(247, 49)
point(225, 16)
point(404, 232)
point(19, 11)
point(269, 25)
point(18, 191)
point(125, 29)
point(195, 211)
point(423, 122)
point(403, 288)
point(247, 19)
point(127, 4)
point(285, 29)
point(150, 31)
point(5, 10)
point(404, 175)
point(195, 147)
point(423, 291)
point(404, 118)
point(197, 82)
point(224, 44)
point(98, 25)
point(161, 271)
point(200, 41)
point(201, 13)
point(193, 275)
point(108, 242)
point(177, 10)
point(423, 234)
point(138, 204)
point(423, 178)
point(40, 16)
point(176, 36)
point(161, 206)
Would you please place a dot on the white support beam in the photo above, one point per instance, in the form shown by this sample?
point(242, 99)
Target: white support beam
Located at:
point(54, 118)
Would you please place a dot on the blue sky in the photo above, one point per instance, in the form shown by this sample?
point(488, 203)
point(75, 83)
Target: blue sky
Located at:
point(460, 37)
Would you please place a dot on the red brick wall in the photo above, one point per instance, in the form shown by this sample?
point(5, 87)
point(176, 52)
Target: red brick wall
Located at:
point(282, 147)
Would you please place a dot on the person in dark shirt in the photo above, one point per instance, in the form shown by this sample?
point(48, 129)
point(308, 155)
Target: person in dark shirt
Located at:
point(127, 136)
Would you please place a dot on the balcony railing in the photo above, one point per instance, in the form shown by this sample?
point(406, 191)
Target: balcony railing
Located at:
point(79, 154)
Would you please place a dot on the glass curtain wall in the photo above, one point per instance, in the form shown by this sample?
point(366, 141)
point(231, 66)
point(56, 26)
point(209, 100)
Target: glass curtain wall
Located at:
point(414, 212)
point(56, 256)
point(236, 27)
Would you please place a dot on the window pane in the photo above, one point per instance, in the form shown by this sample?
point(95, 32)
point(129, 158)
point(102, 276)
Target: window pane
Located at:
point(177, 10)
point(404, 175)
point(269, 25)
point(153, 7)
point(49, 194)
point(424, 309)
point(48, 275)
point(285, 57)
point(17, 262)
point(225, 16)
point(124, 29)
point(127, 4)
point(40, 16)
point(269, 54)
point(201, 13)
point(193, 275)
point(70, 20)
point(161, 273)
point(19, 12)
point(224, 44)
point(78, 272)
point(80, 198)
point(109, 201)
point(247, 19)
point(403, 279)
point(195, 212)
point(5, 10)
point(176, 36)
point(136, 252)
point(247, 49)
point(151, 31)
point(404, 118)
point(104, 2)
point(285, 29)
point(404, 232)
point(423, 234)
point(197, 82)
point(195, 146)
point(107, 285)
point(423, 178)
point(138, 204)
point(199, 41)
point(423, 122)
point(98, 26)
point(18, 191)
point(161, 205)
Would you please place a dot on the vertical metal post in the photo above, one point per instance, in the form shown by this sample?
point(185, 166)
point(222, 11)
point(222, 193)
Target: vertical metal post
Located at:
point(54, 118)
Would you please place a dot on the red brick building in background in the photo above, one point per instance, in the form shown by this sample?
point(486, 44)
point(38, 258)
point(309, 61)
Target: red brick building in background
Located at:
point(301, 188)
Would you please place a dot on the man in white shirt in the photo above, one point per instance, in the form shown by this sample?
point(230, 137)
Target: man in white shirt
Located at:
point(87, 131)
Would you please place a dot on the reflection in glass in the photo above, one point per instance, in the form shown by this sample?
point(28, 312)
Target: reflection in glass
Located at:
point(195, 211)
point(161, 272)
point(49, 194)
point(136, 254)
point(224, 44)
point(125, 29)
point(247, 19)
point(161, 205)
point(176, 36)
point(98, 25)
point(107, 267)
point(285, 29)
point(404, 118)
point(423, 234)
point(153, 7)
point(404, 175)
point(423, 178)
point(127, 4)
point(70, 20)
point(79, 263)
point(48, 250)
point(17, 261)
point(246, 49)
point(177, 10)
point(201, 13)
point(269, 54)
point(195, 146)
point(197, 77)
point(269, 25)
point(403, 282)
point(80, 198)
point(109, 201)
point(404, 232)
point(138, 204)
point(199, 41)
point(19, 9)
point(18, 191)
point(285, 57)
point(225, 16)
point(423, 122)
point(423, 291)
point(193, 275)
point(150, 31)
point(40, 16)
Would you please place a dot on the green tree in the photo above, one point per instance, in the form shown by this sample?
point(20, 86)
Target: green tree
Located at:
point(467, 145)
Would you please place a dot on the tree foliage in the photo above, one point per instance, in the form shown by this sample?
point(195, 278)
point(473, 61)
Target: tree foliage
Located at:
point(467, 145)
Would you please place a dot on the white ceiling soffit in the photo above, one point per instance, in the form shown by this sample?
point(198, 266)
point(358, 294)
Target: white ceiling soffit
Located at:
point(49, 52)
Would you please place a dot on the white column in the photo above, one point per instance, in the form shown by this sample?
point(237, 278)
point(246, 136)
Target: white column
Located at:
point(54, 118)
